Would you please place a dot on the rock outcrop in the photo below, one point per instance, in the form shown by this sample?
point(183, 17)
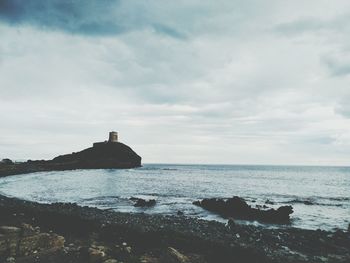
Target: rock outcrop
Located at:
point(106, 155)
point(102, 155)
point(237, 207)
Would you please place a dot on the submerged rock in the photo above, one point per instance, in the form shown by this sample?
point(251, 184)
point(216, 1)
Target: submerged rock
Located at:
point(237, 207)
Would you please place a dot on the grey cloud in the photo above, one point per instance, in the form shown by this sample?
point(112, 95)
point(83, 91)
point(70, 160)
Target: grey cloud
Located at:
point(163, 29)
point(300, 26)
point(95, 17)
point(332, 32)
point(339, 23)
point(337, 67)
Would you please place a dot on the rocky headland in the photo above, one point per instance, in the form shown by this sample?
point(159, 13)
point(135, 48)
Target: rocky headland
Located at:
point(105, 155)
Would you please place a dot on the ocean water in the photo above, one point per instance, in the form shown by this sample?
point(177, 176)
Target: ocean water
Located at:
point(175, 187)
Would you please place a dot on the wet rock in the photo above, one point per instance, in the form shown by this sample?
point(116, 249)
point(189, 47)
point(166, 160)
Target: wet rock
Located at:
point(139, 202)
point(237, 207)
point(180, 213)
point(10, 230)
point(9, 238)
point(10, 260)
point(28, 230)
point(176, 256)
point(268, 202)
point(25, 241)
point(111, 261)
point(231, 223)
point(148, 259)
point(6, 161)
point(96, 255)
point(127, 250)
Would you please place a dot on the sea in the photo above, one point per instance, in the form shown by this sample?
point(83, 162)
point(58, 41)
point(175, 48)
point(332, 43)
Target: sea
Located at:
point(320, 196)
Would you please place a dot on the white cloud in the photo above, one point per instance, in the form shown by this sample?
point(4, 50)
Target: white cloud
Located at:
point(183, 82)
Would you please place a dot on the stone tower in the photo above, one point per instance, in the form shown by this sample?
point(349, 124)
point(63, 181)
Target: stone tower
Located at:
point(113, 136)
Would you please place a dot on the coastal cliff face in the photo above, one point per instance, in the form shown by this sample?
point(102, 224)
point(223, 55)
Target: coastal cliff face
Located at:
point(109, 155)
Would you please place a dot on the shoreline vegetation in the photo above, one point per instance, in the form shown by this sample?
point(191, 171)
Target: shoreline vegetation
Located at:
point(64, 232)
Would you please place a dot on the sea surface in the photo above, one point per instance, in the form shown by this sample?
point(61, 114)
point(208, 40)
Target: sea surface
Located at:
point(320, 196)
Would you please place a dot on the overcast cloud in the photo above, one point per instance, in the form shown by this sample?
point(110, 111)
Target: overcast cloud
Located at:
point(228, 81)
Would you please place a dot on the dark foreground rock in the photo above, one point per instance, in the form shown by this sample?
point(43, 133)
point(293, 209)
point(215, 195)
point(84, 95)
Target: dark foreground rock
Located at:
point(93, 235)
point(23, 241)
point(237, 207)
point(101, 156)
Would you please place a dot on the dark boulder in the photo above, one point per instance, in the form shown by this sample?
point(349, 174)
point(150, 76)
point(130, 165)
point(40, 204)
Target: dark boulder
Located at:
point(238, 208)
point(6, 161)
point(139, 202)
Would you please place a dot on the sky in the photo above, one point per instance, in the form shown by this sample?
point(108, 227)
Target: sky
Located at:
point(187, 81)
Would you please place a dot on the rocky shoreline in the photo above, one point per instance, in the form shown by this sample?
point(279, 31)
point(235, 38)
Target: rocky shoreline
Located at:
point(85, 234)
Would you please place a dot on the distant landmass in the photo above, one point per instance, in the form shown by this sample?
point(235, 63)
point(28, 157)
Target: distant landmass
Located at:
point(103, 155)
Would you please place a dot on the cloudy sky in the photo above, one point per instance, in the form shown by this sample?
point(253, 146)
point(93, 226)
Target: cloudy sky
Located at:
point(187, 81)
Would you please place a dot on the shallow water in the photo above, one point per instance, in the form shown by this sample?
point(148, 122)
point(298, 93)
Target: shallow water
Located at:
point(326, 189)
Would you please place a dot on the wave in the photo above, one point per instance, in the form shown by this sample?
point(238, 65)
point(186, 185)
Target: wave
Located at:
point(311, 201)
point(152, 168)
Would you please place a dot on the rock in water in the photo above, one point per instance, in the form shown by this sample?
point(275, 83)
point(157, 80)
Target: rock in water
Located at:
point(139, 202)
point(237, 207)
